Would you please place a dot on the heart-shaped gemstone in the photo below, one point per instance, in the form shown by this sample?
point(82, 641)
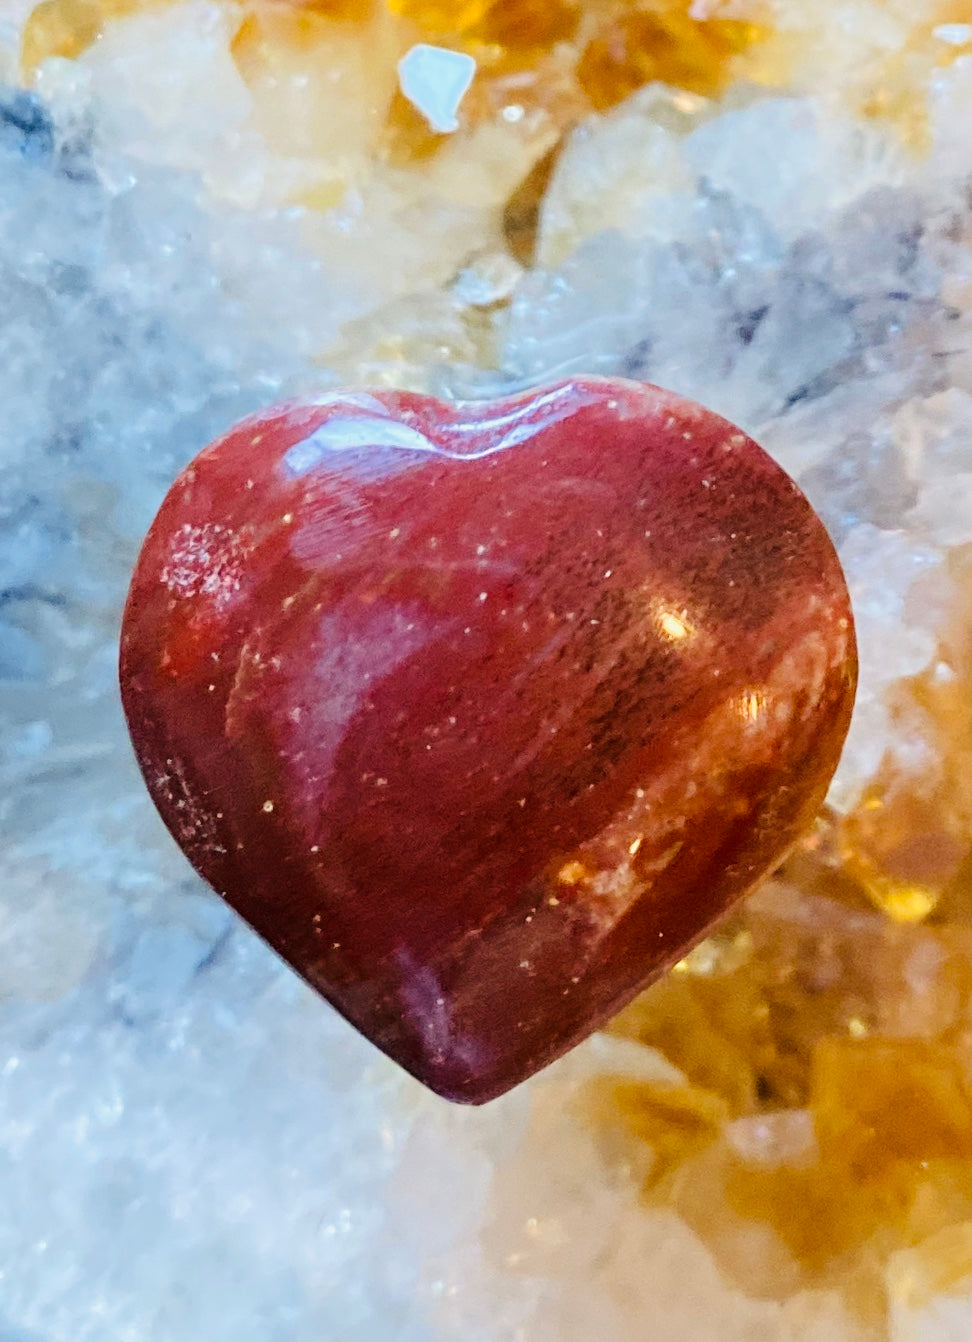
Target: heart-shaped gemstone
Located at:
point(482, 714)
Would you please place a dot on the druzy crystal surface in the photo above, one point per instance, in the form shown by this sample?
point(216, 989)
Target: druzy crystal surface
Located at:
point(482, 714)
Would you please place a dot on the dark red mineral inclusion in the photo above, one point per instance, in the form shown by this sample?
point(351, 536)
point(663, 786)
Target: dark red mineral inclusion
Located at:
point(482, 714)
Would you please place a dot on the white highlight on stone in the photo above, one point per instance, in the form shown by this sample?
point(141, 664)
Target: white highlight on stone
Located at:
point(955, 34)
point(435, 80)
point(349, 433)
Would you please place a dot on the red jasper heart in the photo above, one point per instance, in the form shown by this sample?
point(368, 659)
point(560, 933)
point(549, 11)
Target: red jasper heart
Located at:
point(482, 714)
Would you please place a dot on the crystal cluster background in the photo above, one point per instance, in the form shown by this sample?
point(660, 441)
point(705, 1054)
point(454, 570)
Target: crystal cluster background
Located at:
point(192, 1147)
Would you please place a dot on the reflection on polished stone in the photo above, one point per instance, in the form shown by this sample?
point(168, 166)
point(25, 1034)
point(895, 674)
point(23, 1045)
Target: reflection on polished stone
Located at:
point(482, 715)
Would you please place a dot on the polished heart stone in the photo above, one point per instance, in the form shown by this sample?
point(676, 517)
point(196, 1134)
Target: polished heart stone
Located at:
point(481, 714)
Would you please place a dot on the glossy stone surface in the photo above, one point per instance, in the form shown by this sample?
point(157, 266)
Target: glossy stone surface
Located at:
point(483, 714)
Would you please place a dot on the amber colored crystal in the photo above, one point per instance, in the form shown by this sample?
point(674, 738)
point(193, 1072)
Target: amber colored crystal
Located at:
point(543, 92)
point(527, 25)
point(908, 841)
point(521, 214)
point(66, 27)
point(675, 1121)
point(904, 848)
point(667, 45)
point(716, 1038)
point(933, 1267)
point(562, 59)
point(893, 1154)
point(408, 138)
point(895, 87)
point(481, 715)
point(517, 25)
point(347, 11)
point(519, 69)
point(881, 1102)
point(271, 36)
point(436, 17)
point(815, 1015)
point(321, 86)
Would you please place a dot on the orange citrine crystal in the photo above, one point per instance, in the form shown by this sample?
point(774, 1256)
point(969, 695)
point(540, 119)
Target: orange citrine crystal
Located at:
point(439, 17)
point(664, 44)
point(528, 25)
point(67, 27)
